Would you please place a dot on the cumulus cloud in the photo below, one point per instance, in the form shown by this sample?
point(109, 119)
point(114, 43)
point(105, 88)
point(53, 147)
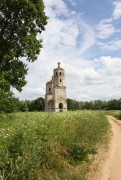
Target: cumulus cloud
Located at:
point(99, 77)
point(112, 45)
point(59, 33)
point(69, 31)
point(117, 10)
point(105, 28)
point(81, 76)
point(66, 39)
point(29, 93)
point(55, 8)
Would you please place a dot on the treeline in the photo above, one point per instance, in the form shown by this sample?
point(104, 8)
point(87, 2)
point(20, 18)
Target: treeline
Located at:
point(11, 104)
point(34, 105)
point(114, 104)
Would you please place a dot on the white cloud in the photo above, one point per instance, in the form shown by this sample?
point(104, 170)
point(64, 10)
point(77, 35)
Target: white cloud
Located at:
point(73, 2)
point(99, 77)
point(92, 78)
point(109, 63)
point(118, 84)
point(55, 8)
point(105, 29)
point(66, 40)
point(59, 33)
point(29, 93)
point(117, 10)
point(100, 82)
point(111, 45)
point(88, 36)
point(70, 31)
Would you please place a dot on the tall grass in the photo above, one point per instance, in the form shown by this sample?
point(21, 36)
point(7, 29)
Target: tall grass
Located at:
point(49, 146)
point(115, 113)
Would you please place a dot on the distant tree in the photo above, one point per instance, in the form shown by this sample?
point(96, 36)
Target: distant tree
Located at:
point(88, 105)
point(72, 104)
point(24, 106)
point(37, 104)
point(34, 105)
point(42, 103)
point(98, 105)
point(114, 104)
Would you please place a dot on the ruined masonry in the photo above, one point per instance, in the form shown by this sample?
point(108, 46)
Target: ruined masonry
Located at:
point(55, 97)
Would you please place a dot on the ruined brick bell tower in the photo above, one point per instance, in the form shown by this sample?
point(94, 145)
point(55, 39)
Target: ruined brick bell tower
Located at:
point(55, 97)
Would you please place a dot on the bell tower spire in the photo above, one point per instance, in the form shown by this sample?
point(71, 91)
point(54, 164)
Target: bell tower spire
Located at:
point(58, 64)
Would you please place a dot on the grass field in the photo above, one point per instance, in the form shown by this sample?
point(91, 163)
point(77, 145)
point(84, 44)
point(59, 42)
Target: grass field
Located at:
point(49, 146)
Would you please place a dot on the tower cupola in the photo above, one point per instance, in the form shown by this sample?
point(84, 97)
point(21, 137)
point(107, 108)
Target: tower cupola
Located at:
point(59, 76)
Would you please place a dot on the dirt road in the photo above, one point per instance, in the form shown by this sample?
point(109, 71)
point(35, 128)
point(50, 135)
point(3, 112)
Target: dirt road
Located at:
point(110, 166)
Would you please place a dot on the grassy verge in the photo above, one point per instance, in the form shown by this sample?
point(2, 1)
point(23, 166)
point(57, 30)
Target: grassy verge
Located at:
point(49, 146)
point(115, 113)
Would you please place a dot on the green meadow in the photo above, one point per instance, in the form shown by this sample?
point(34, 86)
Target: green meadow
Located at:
point(50, 146)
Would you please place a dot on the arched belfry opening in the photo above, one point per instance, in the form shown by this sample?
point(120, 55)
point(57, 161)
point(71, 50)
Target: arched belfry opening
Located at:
point(55, 97)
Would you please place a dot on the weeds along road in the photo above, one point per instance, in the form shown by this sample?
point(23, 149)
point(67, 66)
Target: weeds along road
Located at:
point(111, 167)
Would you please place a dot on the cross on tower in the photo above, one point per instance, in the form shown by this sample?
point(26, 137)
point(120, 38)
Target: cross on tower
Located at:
point(58, 64)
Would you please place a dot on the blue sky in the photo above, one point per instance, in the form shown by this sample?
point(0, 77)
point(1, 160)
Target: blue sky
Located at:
point(85, 36)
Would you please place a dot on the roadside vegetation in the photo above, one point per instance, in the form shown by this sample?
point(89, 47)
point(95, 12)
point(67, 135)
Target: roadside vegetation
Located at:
point(116, 114)
point(50, 146)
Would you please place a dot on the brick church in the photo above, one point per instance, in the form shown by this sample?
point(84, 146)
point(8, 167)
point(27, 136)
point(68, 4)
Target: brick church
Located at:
point(55, 97)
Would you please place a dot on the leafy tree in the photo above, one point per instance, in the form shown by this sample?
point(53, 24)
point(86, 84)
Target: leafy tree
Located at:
point(23, 106)
point(8, 103)
point(41, 103)
point(88, 105)
point(72, 104)
point(37, 105)
point(34, 105)
point(114, 104)
point(98, 104)
point(21, 23)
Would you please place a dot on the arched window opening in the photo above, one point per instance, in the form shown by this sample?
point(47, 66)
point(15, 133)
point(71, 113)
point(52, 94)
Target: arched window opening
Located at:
point(60, 73)
point(56, 73)
point(49, 89)
point(60, 106)
point(60, 80)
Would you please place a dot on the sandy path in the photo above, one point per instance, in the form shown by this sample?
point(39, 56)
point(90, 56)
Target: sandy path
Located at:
point(110, 168)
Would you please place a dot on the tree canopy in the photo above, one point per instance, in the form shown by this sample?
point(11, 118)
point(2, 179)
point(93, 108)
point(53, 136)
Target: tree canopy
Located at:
point(113, 104)
point(21, 23)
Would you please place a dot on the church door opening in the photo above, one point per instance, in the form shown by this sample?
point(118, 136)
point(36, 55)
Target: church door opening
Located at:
point(60, 107)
